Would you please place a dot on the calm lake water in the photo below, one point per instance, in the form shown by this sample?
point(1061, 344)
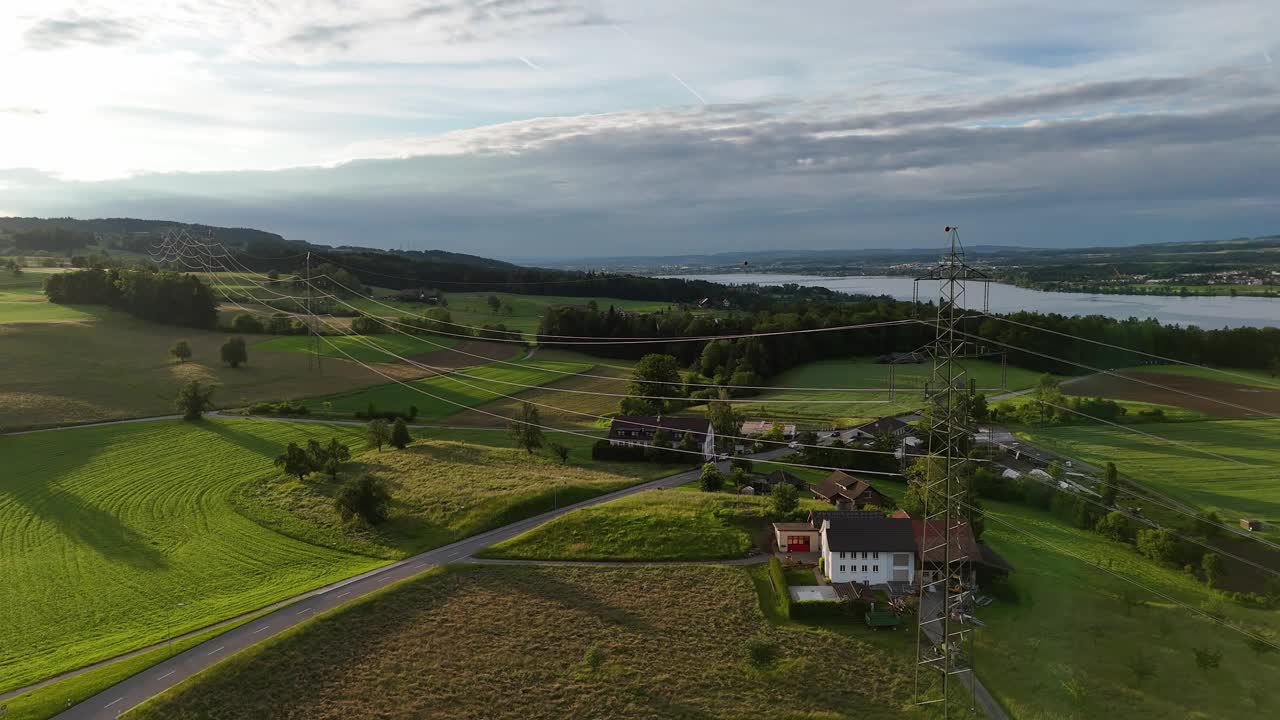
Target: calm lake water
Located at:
point(1206, 312)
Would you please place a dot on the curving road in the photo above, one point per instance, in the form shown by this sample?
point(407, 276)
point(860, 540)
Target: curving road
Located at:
point(129, 693)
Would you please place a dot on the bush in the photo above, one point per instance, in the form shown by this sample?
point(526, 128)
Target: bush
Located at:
point(762, 651)
point(366, 497)
point(818, 610)
point(246, 323)
point(604, 450)
point(372, 412)
point(283, 407)
point(778, 579)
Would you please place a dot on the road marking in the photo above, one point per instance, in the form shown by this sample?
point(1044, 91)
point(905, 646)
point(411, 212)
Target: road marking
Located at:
point(302, 611)
point(215, 650)
point(166, 674)
point(113, 702)
point(264, 627)
point(345, 594)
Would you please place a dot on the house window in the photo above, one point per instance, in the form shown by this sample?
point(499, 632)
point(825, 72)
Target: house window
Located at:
point(864, 568)
point(875, 556)
point(864, 555)
point(875, 568)
point(841, 556)
point(841, 568)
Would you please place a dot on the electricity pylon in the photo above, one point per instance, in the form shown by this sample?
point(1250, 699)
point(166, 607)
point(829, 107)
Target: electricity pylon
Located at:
point(944, 629)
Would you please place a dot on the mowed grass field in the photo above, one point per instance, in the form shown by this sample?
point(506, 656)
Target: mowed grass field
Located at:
point(511, 642)
point(105, 531)
point(1248, 487)
point(22, 300)
point(472, 309)
point(364, 348)
point(112, 366)
point(439, 397)
point(1067, 647)
point(822, 408)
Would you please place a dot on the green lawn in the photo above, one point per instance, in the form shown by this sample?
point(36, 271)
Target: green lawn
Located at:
point(815, 407)
point(512, 642)
point(472, 309)
point(1196, 478)
point(22, 300)
point(453, 392)
point(362, 348)
point(1066, 647)
point(104, 531)
point(653, 525)
point(1258, 378)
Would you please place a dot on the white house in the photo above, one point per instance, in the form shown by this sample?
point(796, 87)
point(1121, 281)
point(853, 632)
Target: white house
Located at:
point(866, 549)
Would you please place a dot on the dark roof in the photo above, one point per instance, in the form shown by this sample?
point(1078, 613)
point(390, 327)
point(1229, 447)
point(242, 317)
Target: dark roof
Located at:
point(993, 559)
point(840, 483)
point(840, 516)
point(647, 423)
point(883, 425)
point(872, 533)
point(805, 527)
point(782, 476)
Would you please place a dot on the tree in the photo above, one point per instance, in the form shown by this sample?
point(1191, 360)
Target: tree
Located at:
point(295, 461)
point(400, 434)
point(561, 451)
point(494, 303)
point(1210, 524)
point(1207, 658)
point(335, 453)
point(234, 352)
point(1211, 565)
point(711, 480)
point(743, 464)
point(525, 430)
point(738, 478)
point(246, 323)
point(1261, 640)
point(364, 496)
point(654, 386)
point(193, 400)
point(1158, 544)
point(1114, 525)
point(376, 433)
point(1274, 367)
point(1110, 485)
point(785, 499)
point(1048, 394)
point(181, 350)
point(723, 418)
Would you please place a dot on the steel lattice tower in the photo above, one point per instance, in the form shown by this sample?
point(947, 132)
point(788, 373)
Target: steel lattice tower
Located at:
point(944, 629)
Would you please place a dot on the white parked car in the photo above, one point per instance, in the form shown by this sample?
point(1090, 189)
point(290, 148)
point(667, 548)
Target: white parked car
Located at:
point(794, 445)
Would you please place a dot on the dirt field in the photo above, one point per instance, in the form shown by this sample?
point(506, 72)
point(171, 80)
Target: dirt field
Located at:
point(1213, 400)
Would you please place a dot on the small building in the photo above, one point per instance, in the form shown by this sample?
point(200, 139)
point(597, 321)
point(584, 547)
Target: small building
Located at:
point(764, 484)
point(1250, 524)
point(848, 492)
point(883, 426)
point(763, 427)
point(971, 562)
point(638, 431)
point(795, 537)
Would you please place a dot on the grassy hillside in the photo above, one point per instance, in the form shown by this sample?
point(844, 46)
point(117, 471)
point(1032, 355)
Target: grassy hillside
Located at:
point(452, 392)
point(364, 348)
point(1206, 481)
point(1067, 646)
point(104, 531)
point(22, 300)
point(109, 365)
point(512, 642)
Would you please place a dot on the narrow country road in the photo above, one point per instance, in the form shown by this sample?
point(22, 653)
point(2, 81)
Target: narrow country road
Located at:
point(130, 693)
point(932, 608)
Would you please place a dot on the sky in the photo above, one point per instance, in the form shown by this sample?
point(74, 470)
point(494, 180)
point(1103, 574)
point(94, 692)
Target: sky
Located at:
point(582, 128)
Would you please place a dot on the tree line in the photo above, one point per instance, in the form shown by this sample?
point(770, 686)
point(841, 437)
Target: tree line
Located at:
point(165, 297)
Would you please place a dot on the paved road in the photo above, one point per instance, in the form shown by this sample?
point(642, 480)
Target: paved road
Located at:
point(130, 693)
point(932, 608)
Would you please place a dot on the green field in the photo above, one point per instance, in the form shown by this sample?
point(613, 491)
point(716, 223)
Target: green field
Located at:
point(1204, 481)
point(22, 300)
point(1065, 648)
point(472, 309)
point(114, 366)
point(105, 530)
point(452, 393)
point(1258, 378)
point(815, 407)
point(511, 642)
point(363, 348)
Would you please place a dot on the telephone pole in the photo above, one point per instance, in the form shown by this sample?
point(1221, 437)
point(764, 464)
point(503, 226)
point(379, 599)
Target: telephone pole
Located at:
point(944, 628)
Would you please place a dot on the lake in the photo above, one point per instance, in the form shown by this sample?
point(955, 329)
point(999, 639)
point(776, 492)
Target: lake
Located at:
point(1206, 312)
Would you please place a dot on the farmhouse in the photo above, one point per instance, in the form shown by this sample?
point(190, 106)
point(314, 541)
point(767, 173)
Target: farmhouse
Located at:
point(971, 562)
point(871, 549)
point(638, 431)
point(845, 491)
point(764, 427)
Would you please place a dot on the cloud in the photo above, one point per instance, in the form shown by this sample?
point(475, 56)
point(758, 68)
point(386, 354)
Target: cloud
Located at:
point(75, 29)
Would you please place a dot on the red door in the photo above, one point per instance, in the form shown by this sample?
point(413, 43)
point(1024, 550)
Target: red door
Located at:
point(798, 543)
